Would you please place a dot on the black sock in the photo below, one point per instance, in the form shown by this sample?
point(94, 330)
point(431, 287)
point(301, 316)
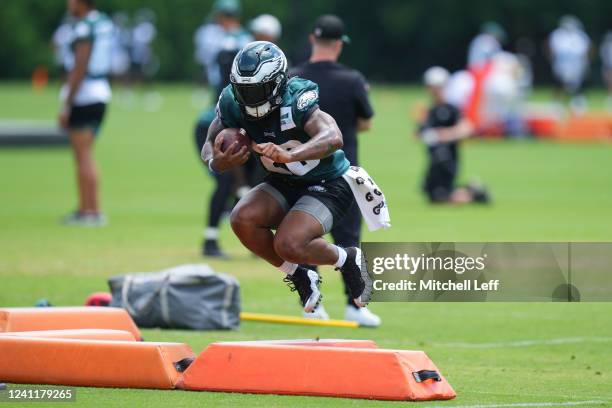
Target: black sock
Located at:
point(351, 302)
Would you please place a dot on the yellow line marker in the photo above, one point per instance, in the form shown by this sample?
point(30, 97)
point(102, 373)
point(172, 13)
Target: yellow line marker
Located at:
point(270, 318)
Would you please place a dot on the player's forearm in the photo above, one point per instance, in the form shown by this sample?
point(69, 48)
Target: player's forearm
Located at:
point(462, 130)
point(321, 145)
point(363, 125)
point(213, 130)
point(325, 138)
point(74, 82)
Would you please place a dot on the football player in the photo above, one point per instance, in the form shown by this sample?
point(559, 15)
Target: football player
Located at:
point(304, 194)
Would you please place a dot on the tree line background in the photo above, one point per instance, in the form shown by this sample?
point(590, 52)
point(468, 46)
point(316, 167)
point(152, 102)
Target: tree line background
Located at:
point(393, 40)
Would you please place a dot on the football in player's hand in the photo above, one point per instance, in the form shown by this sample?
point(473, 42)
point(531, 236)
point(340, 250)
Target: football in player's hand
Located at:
point(231, 135)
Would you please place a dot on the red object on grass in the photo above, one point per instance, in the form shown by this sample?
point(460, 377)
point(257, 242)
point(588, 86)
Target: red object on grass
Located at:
point(98, 299)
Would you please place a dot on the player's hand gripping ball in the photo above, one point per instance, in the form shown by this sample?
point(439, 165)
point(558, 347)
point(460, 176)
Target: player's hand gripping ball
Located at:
point(234, 135)
point(231, 149)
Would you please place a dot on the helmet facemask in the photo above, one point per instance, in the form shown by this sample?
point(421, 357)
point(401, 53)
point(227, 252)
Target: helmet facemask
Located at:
point(259, 100)
point(259, 75)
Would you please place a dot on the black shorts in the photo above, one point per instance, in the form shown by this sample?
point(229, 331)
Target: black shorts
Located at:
point(328, 202)
point(441, 173)
point(87, 117)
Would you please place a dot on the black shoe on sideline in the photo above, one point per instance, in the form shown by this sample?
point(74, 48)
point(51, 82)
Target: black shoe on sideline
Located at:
point(211, 249)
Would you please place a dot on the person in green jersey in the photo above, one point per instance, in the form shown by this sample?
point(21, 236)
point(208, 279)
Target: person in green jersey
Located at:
point(304, 195)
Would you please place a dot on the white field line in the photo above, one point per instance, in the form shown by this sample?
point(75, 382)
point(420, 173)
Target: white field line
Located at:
point(526, 343)
point(526, 404)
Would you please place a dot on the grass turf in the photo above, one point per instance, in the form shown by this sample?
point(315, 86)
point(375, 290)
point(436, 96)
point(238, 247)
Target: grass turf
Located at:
point(153, 189)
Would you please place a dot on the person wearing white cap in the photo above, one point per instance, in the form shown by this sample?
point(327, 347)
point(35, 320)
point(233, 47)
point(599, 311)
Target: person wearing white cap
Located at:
point(266, 27)
point(441, 132)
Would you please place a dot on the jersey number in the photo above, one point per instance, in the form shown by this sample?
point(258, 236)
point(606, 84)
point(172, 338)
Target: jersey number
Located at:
point(296, 168)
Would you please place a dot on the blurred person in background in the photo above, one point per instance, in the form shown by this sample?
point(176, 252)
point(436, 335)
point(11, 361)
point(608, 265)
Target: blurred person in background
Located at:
point(144, 62)
point(219, 199)
point(217, 44)
point(486, 44)
point(266, 27)
point(343, 93)
point(84, 97)
point(605, 52)
point(441, 131)
point(569, 48)
point(504, 91)
point(61, 41)
point(120, 56)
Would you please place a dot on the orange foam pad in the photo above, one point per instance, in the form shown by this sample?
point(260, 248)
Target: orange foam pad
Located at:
point(82, 334)
point(588, 127)
point(312, 343)
point(91, 363)
point(62, 318)
point(350, 372)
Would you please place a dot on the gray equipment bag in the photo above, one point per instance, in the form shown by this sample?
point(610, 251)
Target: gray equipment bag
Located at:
point(183, 297)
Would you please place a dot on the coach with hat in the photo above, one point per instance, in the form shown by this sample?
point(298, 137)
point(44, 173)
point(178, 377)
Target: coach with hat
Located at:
point(343, 93)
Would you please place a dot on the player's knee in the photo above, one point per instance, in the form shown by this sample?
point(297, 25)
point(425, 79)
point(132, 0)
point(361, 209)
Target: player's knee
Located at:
point(290, 250)
point(241, 218)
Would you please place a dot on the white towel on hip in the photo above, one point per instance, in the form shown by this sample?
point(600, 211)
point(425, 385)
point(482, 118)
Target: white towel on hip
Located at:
point(369, 197)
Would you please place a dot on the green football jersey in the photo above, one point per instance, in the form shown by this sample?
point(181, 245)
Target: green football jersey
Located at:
point(285, 127)
point(97, 28)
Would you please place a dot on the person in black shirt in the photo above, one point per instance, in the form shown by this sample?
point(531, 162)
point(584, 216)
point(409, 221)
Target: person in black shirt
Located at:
point(343, 93)
point(441, 131)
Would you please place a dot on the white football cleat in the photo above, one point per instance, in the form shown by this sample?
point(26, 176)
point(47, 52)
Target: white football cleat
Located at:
point(318, 313)
point(362, 315)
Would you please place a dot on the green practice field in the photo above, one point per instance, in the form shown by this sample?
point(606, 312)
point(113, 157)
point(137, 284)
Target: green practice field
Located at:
point(154, 190)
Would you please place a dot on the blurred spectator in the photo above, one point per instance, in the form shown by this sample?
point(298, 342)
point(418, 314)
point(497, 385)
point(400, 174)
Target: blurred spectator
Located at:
point(492, 98)
point(441, 132)
point(504, 91)
point(217, 42)
point(266, 27)
point(145, 63)
point(343, 93)
point(459, 89)
point(486, 44)
point(120, 57)
point(569, 52)
point(606, 60)
point(84, 98)
point(62, 39)
point(218, 201)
